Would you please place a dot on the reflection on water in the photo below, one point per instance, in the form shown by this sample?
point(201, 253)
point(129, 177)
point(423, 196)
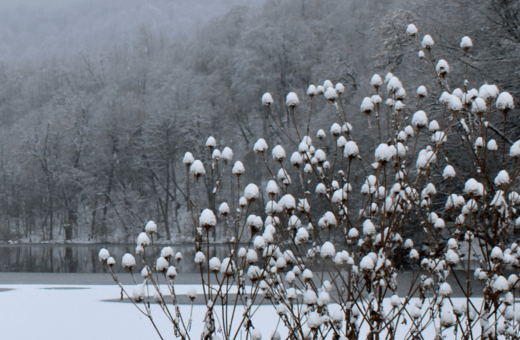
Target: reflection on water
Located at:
point(84, 258)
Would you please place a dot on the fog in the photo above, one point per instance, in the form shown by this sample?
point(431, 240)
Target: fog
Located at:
point(31, 29)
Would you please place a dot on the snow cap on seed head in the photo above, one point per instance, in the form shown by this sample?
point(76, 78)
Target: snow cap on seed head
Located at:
point(312, 91)
point(411, 30)
point(238, 168)
point(367, 106)
point(267, 99)
point(227, 154)
point(515, 149)
point(292, 99)
point(223, 208)
point(128, 261)
point(260, 145)
point(466, 43)
point(505, 101)
point(278, 153)
point(197, 169)
point(427, 42)
point(251, 192)
point(150, 227)
point(207, 219)
point(422, 91)
point(188, 158)
point(143, 240)
point(211, 142)
point(103, 255)
point(376, 81)
point(331, 94)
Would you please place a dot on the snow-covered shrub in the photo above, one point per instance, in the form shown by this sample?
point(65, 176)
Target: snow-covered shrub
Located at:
point(328, 250)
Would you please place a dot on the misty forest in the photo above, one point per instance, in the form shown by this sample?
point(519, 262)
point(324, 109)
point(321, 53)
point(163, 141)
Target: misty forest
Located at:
point(100, 101)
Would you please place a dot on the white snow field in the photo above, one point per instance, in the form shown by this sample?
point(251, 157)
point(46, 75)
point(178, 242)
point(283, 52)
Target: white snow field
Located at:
point(66, 312)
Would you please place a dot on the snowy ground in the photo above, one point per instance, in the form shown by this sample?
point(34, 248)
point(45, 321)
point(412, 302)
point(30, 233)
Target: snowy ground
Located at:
point(64, 312)
point(73, 312)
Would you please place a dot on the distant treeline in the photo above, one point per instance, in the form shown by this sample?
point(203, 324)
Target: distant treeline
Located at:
point(92, 143)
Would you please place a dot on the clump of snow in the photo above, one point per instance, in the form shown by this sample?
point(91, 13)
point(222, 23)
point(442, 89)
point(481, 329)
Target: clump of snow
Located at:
point(447, 319)
point(287, 202)
point(351, 149)
point(422, 91)
point(128, 261)
point(505, 101)
point(227, 154)
point(321, 134)
point(259, 243)
point(454, 103)
point(214, 264)
point(278, 153)
point(478, 106)
point(200, 257)
point(367, 263)
point(327, 84)
point(228, 266)
point(207, 219)
point(488, 92)
point(223, 208)
point(502, 178)
point(411, 30)
point(192, 293)
point(367, 106)
point(385, 153)
point(251, 192)
point(167, 252)
point(161, 264)
point(376, 81)
point(328, 250)
point(394, 84)
point(143, 240)
point(420, 119)
point(296, 159)
point(515, 149)
point(434, 126)
point(340, 88)
point(492, 145)
point(171, 273)
point(312, 91)
point(260, 145)
point(197, 169)
point(500, 284)
point(138, 292)
point(376, 99)
point(442, 68)
point(103, 255)
point(211, 142)
point(150, 227)
point(188, 158)
point(309, 297)
point(331, 94)
point(449, 172)
point(427, 42)
point(292, 99)
point(307, 275)
point(267, 99)
point(445, 289)
point(368, 228)
point(216, 155)
point(238, 168)
point(466, 43)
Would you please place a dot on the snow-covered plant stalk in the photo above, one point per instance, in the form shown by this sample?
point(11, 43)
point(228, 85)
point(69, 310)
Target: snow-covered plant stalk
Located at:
point(328, 250)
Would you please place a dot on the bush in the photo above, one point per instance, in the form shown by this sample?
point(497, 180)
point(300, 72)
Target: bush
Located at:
point(328, 250)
